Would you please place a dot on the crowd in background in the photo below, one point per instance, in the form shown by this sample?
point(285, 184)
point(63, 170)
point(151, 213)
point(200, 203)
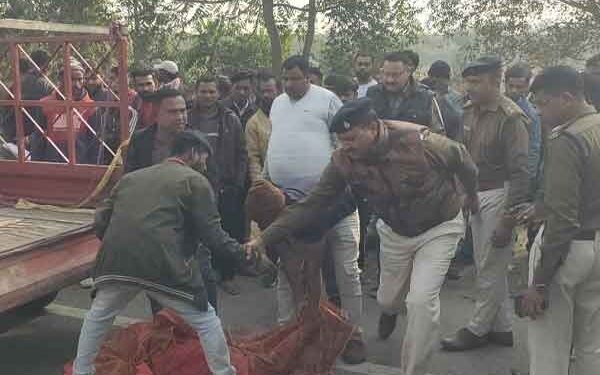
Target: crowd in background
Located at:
point(261, 126)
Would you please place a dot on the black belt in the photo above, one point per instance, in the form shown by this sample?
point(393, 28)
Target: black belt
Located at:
point(585, 235)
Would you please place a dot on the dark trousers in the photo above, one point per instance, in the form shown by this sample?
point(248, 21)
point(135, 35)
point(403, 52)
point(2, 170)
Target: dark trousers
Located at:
point(232, 209)
point(328, 274)
point(364, 215)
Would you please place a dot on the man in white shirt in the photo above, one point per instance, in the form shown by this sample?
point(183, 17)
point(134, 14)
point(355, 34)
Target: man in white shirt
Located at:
point(299, 149)
point(363, 67)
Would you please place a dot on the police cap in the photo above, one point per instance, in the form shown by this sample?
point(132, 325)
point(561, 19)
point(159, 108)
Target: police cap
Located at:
point(353, 112)
point(482, 65)
point(188, 139)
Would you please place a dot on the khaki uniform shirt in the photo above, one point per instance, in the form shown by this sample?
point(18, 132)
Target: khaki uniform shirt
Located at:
point(571, 189)
point(497, 137)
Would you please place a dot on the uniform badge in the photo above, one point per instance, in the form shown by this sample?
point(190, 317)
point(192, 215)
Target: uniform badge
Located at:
point(346, 125)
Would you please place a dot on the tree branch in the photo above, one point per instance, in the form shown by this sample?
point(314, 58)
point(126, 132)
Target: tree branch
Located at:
point(589, 6)
point(271, 26)
point(310, 29)
point(306, 8)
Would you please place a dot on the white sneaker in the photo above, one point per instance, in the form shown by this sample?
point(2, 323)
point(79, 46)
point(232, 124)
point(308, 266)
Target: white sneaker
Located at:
point(87, 283)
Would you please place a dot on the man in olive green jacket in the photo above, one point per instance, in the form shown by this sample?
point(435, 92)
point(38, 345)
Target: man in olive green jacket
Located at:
point(564, 297)
point(407, 175)
point(150, 229)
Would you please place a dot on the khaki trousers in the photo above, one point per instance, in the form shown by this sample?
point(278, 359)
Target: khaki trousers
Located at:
point(493, 308)
point(571, 323)
point(342, 240)
point(413, 270)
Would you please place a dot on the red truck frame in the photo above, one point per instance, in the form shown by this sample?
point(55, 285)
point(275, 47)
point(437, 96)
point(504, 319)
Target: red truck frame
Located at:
point(44, 268)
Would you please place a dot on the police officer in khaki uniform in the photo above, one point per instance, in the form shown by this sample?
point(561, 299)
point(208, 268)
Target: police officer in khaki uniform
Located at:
point(407, 175)
point(497, 137)
point(564, 297)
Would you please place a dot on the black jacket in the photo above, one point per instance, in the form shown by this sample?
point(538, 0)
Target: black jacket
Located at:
point(139, 152)
point(228, 167)
point(416, 106)
point(250, 111)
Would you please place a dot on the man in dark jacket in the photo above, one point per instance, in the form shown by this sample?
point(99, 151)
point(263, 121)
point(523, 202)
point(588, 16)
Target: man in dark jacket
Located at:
point(33, 87)
point(145, 86)
point(241, 100)
point(407, 174)
point(450, 101)
point(227, 168)
point(151, 145)
point(150, 227)
point(400, 97)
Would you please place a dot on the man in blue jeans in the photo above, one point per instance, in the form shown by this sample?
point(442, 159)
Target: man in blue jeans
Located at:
point(150, 227)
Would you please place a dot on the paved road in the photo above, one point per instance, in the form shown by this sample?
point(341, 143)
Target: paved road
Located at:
point(42, 345)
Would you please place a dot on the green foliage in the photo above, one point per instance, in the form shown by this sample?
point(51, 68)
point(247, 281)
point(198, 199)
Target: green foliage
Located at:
point(157, 27)
point(218, 45)
point(91, 12)
point(372, 26)
point(539, 31)
point(225, 35)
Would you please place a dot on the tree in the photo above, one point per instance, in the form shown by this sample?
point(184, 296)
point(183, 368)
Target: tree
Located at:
point(157, 27)
point(370, 26)
point(563, 28)
point(218, 45)
point(89, 12)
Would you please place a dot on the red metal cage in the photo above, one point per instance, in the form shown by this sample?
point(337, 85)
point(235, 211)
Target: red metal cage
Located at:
point(65, 182)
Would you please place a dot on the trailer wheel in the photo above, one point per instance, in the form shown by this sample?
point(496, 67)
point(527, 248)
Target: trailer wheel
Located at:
point(25, 313)
point(38, 304)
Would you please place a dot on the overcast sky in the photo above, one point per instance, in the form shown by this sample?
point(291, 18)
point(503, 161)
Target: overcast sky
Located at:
point(420, 3)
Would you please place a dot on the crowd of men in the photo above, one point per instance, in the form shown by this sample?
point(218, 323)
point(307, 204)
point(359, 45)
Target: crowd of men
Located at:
point(420, 163)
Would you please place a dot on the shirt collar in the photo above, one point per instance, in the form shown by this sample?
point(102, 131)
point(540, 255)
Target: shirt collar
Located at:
point(492, 106)
point(589, 110)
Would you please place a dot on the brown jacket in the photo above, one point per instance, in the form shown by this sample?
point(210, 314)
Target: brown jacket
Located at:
point(408, 180)
point(258, 131)
point(497, 138)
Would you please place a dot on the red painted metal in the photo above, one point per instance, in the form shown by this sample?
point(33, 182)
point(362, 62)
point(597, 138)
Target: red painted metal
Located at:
point(42, 182)
point(14, 53)
point(58, 39)
point(94, 71)
point(60, 103)
point(50, 183)
point(123, 87)
point(68, 92)
point(46, 269)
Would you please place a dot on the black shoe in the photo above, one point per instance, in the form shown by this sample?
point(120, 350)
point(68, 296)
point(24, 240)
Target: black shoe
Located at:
point(501, 338)
point(463, 340)
point(355, 352)
point(387, 324)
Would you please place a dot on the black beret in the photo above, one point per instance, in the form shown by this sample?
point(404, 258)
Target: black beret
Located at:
point(439, 69)
point(482, 65)
point(242, 75)
point(353, 112)
point(193, 138)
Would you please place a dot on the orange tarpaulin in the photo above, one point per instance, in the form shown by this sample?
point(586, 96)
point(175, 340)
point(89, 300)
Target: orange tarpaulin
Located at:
point(168, 346)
